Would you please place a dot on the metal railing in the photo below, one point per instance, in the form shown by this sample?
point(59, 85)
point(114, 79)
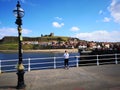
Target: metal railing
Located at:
point(58, 62)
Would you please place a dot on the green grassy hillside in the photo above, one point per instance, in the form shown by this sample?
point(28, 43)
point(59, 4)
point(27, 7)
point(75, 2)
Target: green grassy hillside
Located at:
point(11, 43)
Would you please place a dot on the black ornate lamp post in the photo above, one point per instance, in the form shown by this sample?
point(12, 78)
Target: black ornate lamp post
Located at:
point(19, 13)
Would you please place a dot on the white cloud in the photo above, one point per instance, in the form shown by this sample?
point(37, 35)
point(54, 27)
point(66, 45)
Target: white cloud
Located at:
point(106, 19)
point(58, 18)
point(57, 25)
point(100, 12)
point(12, 32)
point(114, 9)
point(75, 28)
point(26, 31)
point(101, 36)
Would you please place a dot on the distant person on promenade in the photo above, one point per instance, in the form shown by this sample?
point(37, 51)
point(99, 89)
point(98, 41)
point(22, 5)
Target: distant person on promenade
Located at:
point(66, 60)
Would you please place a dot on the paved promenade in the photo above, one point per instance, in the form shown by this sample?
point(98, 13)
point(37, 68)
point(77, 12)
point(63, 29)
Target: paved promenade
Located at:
point(103, 77)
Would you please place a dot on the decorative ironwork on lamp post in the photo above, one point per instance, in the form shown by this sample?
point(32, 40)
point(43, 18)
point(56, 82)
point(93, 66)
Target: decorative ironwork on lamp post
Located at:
point(19, 13)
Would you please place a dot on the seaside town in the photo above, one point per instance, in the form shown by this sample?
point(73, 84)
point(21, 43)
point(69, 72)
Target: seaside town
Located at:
point(75, 43)
point(59, 42)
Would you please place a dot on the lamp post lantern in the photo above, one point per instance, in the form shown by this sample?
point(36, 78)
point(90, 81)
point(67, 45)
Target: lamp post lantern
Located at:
point(19, 13)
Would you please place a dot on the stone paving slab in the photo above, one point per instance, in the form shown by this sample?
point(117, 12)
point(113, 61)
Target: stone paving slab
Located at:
point(103, 77)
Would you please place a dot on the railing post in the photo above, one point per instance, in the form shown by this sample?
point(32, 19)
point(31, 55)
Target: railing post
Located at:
point(116, 62)
point(0, 66)
point(77, 65)
point(29, 64)
point(54, 62)
point(97, 60)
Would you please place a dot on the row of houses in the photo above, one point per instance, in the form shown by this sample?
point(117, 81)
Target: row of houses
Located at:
point(99, 46)
point(73, 43)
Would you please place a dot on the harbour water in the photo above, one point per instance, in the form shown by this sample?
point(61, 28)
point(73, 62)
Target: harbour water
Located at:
point(9, 56)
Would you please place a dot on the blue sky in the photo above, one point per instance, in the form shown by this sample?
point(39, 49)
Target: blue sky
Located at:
point(92, 20)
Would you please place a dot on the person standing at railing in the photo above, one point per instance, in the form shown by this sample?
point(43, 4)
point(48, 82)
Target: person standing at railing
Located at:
point(66, 60)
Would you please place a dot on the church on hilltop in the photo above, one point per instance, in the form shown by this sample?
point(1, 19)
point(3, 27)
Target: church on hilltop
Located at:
point(50, 35)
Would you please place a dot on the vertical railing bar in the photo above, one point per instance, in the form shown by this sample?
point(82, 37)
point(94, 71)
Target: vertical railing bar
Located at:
point(29, 65)
point(97, 60)
point(116, 62)
point(0, 66)
point(54, 62)
point(77, 65)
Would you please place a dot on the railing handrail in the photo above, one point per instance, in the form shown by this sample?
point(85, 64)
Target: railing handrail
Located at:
point(57, 60)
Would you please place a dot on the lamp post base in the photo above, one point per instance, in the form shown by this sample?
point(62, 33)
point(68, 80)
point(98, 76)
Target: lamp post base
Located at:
point(21, 83)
